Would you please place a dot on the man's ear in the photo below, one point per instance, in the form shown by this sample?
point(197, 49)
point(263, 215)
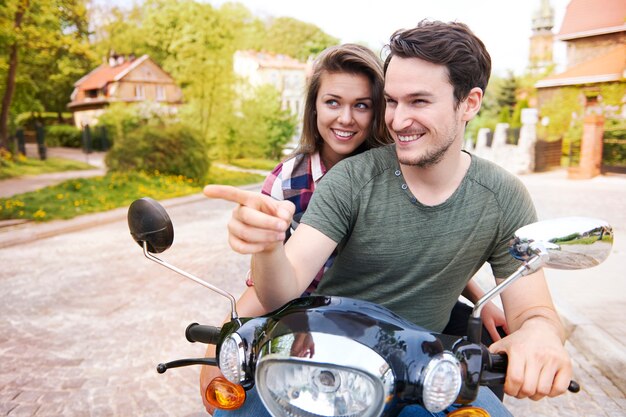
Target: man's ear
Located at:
point(471, 105)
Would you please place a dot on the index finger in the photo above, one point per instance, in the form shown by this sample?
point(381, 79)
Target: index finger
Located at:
point(233, 194)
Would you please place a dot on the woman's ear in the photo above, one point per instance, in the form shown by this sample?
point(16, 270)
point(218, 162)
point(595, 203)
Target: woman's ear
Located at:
point(471, 104)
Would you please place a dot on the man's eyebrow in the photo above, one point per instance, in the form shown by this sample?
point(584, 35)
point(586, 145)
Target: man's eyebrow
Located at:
point(416, 94)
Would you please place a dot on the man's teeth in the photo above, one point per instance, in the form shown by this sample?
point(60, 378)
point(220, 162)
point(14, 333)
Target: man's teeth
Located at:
point(408, 138)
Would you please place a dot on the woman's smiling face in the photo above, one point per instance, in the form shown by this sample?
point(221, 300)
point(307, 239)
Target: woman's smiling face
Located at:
point(344, 114)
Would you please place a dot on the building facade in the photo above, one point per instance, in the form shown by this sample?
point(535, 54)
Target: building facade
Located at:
point(122, 79)
point(542, 39)
point(595, 34)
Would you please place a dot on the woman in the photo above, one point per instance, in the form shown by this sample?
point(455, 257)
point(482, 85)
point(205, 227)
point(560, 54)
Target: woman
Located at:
point(343, 115)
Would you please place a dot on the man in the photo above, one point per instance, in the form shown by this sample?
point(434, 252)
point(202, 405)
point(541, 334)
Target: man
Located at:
point(414, 221)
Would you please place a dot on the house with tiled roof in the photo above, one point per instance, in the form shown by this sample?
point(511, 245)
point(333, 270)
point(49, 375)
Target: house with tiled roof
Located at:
point(121, 79)
point(595, 34)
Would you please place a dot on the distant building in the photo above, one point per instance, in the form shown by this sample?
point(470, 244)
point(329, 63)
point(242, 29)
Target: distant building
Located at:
point(542, 39)
point(121, 79)
point(595, 34)
point(286, 74)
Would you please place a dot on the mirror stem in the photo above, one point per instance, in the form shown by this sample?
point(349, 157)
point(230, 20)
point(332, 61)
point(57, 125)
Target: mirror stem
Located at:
point(233, 306)
point(475, 324)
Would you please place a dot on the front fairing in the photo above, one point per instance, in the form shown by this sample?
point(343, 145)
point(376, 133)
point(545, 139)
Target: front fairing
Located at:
point(405, 347)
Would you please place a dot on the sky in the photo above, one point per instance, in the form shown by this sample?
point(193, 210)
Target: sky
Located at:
point(503, 25)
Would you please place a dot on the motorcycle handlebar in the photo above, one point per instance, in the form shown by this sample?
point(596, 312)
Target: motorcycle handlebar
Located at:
point(498, 363)
point(204, 334)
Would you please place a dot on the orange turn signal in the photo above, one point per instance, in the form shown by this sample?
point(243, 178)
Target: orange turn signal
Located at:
point(223, 394)
point(469, 412)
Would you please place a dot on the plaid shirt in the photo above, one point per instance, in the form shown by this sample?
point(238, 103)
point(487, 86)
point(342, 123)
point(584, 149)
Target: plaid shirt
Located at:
point(295, 180)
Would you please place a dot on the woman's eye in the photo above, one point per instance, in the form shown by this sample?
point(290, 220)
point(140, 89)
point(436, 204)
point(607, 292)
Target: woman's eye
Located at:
point(362, 106)
point(332, 103)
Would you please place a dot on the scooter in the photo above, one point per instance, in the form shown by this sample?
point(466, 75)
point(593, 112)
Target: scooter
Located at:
point(336, 356)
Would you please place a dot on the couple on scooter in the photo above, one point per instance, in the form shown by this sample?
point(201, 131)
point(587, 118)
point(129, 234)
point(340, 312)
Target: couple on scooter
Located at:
point(410, 222)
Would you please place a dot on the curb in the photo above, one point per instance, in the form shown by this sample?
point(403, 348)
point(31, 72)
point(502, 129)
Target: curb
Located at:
point(600, 348)
point(31, 231)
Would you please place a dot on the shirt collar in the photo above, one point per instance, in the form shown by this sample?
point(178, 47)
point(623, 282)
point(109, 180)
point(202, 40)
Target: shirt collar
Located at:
point(317, 167)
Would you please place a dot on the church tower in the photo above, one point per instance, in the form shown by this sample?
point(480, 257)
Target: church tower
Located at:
point(542, 39)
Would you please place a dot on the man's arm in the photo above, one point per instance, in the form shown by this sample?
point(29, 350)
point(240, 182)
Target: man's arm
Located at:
point(539, 365)
point(285, 273)
point(257, 226)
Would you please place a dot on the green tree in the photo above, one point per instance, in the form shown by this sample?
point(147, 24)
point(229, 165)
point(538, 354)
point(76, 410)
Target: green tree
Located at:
point(47, 50)
point(262, 127)
point(297, 39)
point(14, 42)
point(506, 97)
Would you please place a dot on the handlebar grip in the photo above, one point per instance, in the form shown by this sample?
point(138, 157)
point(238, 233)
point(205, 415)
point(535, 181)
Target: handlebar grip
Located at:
point(498, 362)
point(204, 334)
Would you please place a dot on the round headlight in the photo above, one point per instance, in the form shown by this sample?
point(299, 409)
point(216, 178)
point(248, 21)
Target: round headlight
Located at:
point(441, 382)
point(232, 359)
point(290, 387)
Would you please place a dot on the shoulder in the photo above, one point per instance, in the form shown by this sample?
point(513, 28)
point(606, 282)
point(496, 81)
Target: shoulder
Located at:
point(280, 177)
point(367, 165)
point(506, 189)
point(492, 176)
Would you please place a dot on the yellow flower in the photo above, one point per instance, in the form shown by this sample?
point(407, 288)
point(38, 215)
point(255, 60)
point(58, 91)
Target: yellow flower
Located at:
point(60, 196)
point(39, 214)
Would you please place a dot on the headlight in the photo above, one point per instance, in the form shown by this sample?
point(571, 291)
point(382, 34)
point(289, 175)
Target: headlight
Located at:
point(232, 359)
point(441, 382)
point(298, 389)
point(326, 384)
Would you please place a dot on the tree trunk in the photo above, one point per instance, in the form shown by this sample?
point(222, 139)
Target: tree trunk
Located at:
point(10, 82)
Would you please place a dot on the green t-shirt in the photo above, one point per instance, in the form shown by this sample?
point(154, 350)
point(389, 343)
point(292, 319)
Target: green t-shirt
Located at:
point(411, 258)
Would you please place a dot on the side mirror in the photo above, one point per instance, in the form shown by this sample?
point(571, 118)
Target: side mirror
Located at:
point(564, 243)
point(151, 227)
point(149, 222)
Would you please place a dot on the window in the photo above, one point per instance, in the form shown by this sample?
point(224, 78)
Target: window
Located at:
point(91, 93)
point(139, 91)
point(160, 93)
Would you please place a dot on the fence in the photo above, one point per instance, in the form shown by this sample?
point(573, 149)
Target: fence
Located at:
point(548, 154)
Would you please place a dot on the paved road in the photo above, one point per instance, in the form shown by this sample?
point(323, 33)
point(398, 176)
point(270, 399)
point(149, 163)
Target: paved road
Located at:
point(85, 318)
point(14, 186)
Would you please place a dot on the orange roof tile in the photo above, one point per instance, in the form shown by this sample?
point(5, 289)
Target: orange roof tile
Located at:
point(608, 67)
point(588, 17)
point(102, 75)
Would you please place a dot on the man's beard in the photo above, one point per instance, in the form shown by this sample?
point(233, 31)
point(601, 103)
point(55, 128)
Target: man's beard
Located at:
point(434, 156)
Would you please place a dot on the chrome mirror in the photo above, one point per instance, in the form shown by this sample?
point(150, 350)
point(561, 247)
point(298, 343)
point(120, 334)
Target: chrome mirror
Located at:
point(564, 243)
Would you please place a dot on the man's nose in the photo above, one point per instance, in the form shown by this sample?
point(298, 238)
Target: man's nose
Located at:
point(400, 118)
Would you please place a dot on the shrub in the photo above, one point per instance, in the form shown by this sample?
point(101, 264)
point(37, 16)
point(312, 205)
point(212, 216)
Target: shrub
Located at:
point(28, 120)
point(174, 149)
point(63, 135)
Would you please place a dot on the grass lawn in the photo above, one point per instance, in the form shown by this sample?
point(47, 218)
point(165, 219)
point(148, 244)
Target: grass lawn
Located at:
point(263, 164)
point(20, 166)
point(89, 195)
